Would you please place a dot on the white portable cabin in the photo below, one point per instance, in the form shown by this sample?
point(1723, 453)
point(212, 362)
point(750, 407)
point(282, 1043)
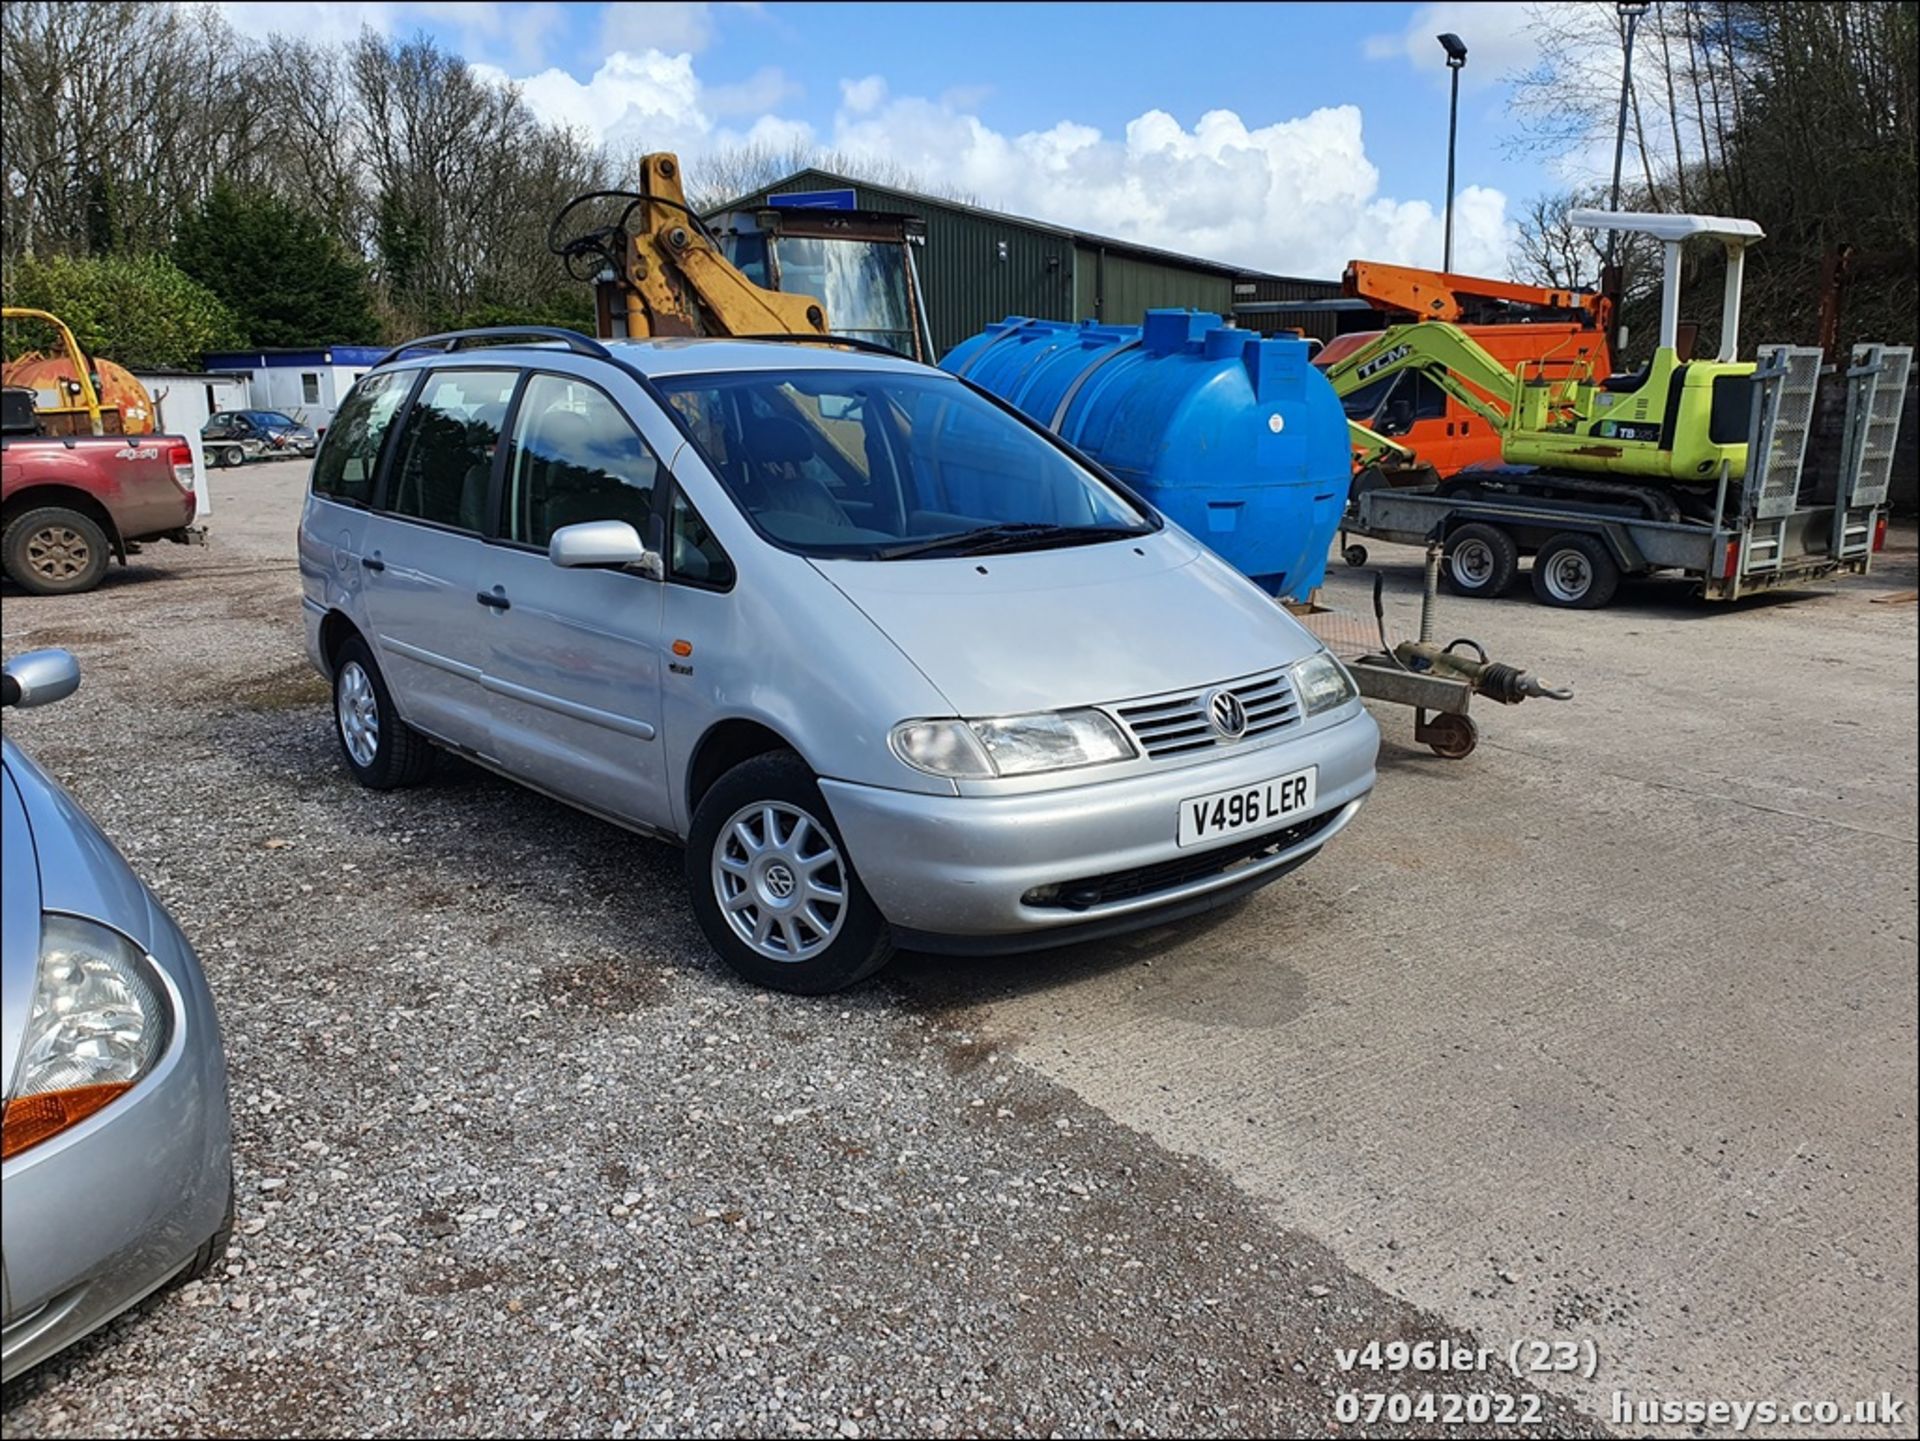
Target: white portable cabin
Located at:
point(182, 402)
point(305, 384)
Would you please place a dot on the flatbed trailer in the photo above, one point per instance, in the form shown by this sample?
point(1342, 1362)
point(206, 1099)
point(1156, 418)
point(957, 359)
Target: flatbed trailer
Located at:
point(1752, 535)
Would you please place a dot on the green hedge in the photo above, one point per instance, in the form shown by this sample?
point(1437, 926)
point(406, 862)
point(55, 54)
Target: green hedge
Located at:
point(140, 311)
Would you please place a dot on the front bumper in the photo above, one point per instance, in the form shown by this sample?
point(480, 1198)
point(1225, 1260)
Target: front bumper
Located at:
point(954, 872)
point(102, 1215)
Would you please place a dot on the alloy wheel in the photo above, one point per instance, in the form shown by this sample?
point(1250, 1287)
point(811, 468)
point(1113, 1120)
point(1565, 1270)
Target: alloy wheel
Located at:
point(780, 881)
point(359, 713)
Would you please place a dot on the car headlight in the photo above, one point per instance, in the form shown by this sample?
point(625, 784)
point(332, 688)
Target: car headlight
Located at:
point(1322, 683)
point(1016, 745)
point(98, 1022)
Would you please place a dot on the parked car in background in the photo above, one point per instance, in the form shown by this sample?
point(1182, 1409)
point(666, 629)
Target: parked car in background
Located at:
point(895, 665)
point(70, 503)
point(232, 437)
point(117, 1170)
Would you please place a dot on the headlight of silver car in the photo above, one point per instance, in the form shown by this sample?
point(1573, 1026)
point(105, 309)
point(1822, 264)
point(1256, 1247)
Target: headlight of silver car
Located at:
point(1322, 683)
point(1016, 745)
point(98, 1022)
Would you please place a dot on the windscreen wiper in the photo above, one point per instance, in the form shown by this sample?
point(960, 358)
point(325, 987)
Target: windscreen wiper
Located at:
point(1004, 536)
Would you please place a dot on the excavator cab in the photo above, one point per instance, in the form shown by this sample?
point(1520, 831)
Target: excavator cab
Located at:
point(1676, 419)
point(859, 262)
point(658, 269)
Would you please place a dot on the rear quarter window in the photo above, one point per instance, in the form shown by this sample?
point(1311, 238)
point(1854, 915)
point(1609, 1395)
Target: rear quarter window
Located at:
point(349, 461)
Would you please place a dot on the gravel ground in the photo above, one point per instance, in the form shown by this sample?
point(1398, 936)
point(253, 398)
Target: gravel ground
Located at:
point(517, 1155)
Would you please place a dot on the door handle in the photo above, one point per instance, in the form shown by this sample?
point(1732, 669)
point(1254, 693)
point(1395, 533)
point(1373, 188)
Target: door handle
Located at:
point(372, 562)
point(494, 600)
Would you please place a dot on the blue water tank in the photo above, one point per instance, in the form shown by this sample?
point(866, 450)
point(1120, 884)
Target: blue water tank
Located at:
point(1236, 437)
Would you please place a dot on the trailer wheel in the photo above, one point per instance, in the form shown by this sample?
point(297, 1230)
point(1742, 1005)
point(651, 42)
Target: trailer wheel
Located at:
point(1355, 556)
point(1574, 572)
point(1482, 560)
point(1451, 737)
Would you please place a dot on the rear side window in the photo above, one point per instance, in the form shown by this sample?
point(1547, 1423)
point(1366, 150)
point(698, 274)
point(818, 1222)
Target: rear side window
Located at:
point(575, 458)
point(347, 462)
point(445, 462)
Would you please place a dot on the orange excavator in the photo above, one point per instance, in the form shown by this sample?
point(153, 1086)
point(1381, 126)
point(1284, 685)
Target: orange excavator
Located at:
point(1435, 433)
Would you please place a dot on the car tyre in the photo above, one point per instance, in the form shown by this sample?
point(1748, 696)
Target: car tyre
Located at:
point(1481, 560)
point(772, 885)
point(1574, 572)
point(213, 1250)
point(383, 752)
point(52, 550)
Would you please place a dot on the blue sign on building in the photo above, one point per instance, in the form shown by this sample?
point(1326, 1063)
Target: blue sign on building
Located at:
point(814, 200)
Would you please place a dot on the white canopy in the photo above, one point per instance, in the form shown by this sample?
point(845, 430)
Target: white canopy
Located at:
point(1669, 227)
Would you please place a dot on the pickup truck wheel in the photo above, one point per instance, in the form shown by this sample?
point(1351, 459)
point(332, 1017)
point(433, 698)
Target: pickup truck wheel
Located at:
point(1574, 572)
point(772, 885)
point(55, 551)
point(383, 752)
point(1482, 560)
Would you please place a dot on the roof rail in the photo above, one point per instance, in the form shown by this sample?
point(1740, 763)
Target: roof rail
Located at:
point(451, 340)
point(872, 347)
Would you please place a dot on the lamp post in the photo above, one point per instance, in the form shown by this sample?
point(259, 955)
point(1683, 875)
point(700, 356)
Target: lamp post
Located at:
point(1456, 49)
point(1630, 14)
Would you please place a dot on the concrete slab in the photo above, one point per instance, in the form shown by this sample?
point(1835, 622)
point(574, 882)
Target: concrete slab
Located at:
point(1606, 1032)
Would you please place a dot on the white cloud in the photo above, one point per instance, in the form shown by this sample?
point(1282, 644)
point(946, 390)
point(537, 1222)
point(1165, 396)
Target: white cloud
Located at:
point(650, 99)
point(1296, 196)
point(1496, 33)
point(655, 25)
point(761, 92)
point(321, 24)
point(479, 30)
point(863, 95)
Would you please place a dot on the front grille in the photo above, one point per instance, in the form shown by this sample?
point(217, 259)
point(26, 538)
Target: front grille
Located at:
point(1094, 891)
point(1172, 725)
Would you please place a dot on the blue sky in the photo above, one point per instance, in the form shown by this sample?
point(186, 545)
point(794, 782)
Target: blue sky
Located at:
point(1333, 140)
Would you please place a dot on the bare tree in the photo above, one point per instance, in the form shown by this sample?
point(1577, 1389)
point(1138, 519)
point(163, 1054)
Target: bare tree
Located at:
point(716, 177)
point(1550, 250)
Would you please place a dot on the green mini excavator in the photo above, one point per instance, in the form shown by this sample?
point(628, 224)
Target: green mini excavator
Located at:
point(1676, 421)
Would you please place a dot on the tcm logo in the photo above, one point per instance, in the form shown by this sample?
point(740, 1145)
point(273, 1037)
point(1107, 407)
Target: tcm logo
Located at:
point(1379, 362)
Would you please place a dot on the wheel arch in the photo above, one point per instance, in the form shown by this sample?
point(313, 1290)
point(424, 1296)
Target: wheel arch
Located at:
point(335, 631)
point(724, 745)
point(33, 497)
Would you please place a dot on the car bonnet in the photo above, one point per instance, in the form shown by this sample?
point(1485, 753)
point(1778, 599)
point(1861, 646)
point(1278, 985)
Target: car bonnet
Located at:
point(1009, 632)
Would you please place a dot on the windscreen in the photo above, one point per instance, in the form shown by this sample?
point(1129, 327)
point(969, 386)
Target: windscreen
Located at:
point(888, 466)
point(863, 285)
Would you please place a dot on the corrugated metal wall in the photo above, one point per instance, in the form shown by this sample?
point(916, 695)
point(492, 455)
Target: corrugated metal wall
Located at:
point(1321, 325)
point(978, 267)
point(1129, 285)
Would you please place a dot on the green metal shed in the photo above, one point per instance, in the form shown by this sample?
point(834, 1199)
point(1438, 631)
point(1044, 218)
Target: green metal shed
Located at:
point(980, 265)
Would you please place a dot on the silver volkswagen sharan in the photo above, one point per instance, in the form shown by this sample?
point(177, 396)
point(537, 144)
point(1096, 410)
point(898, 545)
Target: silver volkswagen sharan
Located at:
point(893, 664)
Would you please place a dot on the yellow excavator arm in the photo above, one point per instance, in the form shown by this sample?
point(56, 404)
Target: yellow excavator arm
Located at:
point(82, 383)
point(1446, 355)
point(660, 273)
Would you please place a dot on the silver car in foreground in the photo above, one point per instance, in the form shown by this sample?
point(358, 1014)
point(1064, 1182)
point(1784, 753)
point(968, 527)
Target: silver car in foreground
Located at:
point(117, 1175)
point(896, 666)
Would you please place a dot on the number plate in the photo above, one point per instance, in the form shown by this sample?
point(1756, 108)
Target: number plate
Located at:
point(1264, 805)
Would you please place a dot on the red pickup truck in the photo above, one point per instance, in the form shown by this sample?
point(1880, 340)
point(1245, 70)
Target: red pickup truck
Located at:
point(69, 503)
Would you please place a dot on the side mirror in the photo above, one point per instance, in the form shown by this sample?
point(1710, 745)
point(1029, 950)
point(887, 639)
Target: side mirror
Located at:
point(594, 544)
point(40, 677)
